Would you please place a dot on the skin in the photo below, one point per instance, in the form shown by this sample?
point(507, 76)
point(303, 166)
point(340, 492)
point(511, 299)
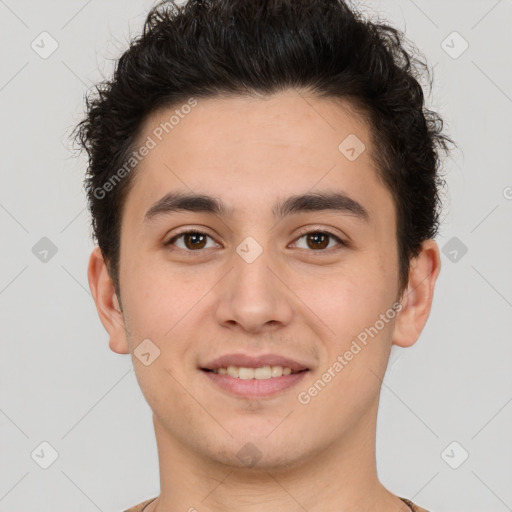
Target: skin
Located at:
point(294, 300)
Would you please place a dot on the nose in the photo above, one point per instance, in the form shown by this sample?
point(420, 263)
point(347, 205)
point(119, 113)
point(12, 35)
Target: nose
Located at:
point(254, 297)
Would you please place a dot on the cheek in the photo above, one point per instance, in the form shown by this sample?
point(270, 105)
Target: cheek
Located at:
point(351, 304)
point(357, 344)
point(157, 308)
point(349, 299)
point(158, 296)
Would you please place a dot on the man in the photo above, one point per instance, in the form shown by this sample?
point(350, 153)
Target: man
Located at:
point(263, 182)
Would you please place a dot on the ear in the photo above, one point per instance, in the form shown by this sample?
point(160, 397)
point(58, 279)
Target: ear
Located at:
point(107, 304)
point(417, 299)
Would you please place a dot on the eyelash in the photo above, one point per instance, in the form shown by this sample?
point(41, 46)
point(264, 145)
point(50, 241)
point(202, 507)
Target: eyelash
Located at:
point(341, 242)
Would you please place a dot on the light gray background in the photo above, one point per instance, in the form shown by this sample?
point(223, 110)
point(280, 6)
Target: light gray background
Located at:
point(60, 383)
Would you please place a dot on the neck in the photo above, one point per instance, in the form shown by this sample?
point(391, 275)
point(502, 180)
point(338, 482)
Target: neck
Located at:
point(341, 478)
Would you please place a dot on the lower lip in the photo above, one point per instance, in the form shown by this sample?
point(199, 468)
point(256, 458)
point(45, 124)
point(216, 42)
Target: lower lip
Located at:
point(255, 388)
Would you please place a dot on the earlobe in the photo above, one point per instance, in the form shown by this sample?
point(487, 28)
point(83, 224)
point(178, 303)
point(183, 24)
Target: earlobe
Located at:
point(106, 301)
point(417, 299)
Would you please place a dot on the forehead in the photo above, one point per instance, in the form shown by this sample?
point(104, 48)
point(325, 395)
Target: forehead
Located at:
point(250, 150)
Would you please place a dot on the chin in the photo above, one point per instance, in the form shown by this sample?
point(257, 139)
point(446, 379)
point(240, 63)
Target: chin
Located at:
point(253, 454)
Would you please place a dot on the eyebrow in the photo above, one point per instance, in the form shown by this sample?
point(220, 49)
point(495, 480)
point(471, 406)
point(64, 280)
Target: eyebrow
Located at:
point(309, 202)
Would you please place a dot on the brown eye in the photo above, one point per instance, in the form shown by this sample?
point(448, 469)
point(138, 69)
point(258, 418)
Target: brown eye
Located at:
point(191, 240)
point(317, 240)
point(194, 240)
point(320, 241)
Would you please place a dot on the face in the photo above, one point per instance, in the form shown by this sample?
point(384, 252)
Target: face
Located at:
point(264, 276)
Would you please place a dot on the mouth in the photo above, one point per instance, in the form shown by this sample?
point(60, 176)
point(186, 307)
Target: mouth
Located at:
point(259, 373)
point(254, 377)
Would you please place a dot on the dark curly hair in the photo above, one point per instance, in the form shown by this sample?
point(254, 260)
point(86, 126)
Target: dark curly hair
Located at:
point(231, 47)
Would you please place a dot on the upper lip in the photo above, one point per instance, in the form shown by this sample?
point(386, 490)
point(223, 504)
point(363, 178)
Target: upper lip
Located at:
point(249, 361)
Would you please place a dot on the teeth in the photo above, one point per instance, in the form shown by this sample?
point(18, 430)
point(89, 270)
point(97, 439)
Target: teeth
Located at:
point(263, 372)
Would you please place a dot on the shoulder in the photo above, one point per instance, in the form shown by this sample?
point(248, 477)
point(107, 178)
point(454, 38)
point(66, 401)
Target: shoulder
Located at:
point(140, 507)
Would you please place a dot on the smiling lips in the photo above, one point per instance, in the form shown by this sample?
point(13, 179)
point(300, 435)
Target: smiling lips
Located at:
point(250, 376)
point(248, 361)
point(260, 373)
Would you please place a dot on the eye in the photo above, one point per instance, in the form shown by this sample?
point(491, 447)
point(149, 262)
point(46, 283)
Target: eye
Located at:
point(195, 240)
point(192, 240)
point(320, 240)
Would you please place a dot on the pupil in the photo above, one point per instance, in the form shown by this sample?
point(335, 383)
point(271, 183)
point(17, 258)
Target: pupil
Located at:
point(197, 239)
point(315, 237)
